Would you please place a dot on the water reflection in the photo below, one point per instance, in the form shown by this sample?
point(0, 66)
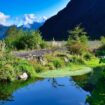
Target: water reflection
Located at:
point(77, 90)
point(55, 91)
point(97, 96)
point(55, 83)
point(7, 89)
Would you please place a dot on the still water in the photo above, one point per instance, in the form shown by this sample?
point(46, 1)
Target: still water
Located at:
point(56, 91)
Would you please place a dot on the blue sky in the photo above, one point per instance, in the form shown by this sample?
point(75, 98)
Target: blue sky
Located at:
point(19, 11)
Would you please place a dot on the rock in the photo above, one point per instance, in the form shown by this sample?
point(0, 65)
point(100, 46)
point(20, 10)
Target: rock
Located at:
point(24, 76)
point(66, 59)
point(42, 61)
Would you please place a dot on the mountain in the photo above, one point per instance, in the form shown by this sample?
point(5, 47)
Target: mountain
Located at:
point(3, 30)
point(34, 26)
point(89, 13)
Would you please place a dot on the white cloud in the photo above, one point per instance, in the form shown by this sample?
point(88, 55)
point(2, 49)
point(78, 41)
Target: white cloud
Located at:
point(25, 20)
point(4, 19)
point(29, 19)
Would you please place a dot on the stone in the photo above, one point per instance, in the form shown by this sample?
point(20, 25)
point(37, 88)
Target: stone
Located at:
point(24, 76)
point(66, 59)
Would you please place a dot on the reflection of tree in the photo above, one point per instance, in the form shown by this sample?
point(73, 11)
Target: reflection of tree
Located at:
point(81, 81)
point(7, 89)
point(55, 83)
point(98, 94)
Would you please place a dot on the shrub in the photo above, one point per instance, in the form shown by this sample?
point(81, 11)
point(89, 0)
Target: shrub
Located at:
point(11, 67)
point(50, 65)
point(77, 35)
point(103, 40)
point(87, 56)
point(24, 66)
point(77, 48)
point(78, 60)
point(78, 41)
point(57, 62)
point(100, 51)
point(2, 46)
point(7, 73)
point(19, 39)
point(39, 68)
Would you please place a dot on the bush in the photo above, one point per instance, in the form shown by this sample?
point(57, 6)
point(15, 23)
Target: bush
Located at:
point(39, 68)
point(77, 48)
point(57, 62)
point(19, 39)
point(78, 60)
point(50, 65)
point(31, 40)
point(7, 73)
point(87, 56)
point(77, 35)
point(100, 51)
point(2, 46)
point(103, 40)
point(78, 41)
point(24, 66)
point(11, 67)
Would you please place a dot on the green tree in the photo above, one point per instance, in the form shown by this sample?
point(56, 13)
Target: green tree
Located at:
point(30, 40)
point(78, 35)
point(12, 31)
point(13, 34)
point(77, 41)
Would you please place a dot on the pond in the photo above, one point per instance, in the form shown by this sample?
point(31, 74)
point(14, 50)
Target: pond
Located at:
point(55, 91)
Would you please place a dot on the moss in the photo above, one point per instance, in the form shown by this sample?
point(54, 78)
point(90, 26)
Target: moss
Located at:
point(64, 72)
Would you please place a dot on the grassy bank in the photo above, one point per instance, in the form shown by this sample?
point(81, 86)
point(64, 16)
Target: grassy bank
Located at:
point(79, 58)
point(53, 65)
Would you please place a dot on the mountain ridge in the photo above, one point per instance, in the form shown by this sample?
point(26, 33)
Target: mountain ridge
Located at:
point(89, 13)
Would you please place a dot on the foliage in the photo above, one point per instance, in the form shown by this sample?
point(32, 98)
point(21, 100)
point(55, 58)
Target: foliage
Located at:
point(101, 50)
point(12, 36)
point(7, 89)
point(11, 67)
point(77, 48)
point(20, 40)
point(77, 35)
point(98, 94)
point(2, 46)
point(78, 60)
point(39, 68)
point(54, 60)
point(77, 41)
point(58, 63)
point(50, 65)
point(103, 40)
point(88, 56)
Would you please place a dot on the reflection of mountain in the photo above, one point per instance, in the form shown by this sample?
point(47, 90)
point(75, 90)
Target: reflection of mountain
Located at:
point(89, 13)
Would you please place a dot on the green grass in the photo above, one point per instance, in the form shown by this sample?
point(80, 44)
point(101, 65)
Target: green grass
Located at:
point(94, 62)
point(67, 71)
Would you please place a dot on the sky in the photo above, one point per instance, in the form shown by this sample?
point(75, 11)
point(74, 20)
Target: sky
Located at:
point(22, 12)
